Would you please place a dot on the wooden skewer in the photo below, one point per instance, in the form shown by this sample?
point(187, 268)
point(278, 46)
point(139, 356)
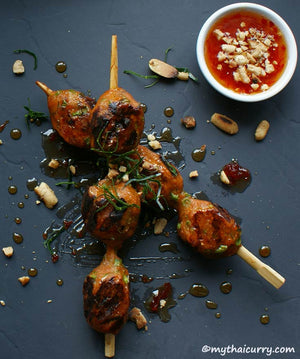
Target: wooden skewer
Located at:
point(262, 269)
point(44, 88)
point(113, 83)
point(109, 345)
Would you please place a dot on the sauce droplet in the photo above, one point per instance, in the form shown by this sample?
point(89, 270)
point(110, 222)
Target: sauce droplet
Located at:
point(218, 315)
point(12, 189)
point(225, 287)
point(169, 111)
point(264, 251)
point(146, 279)
point(160, 301)
point(21, 204)
point(236, 173)
point(18, 220)
point(198, 154)
point(15, 133)
point(198, 290)
point(54, 257)
point(168, 247)
point(31, 183)
point(32, 272)
point(210, 304)
point(264, 319)
point(144, 107)
point(59, 282)
point(17, 237)
point(182, 295)
point(60, 66)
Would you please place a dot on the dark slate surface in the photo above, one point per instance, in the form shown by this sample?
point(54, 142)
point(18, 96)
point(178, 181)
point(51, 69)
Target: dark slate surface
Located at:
point(79, 32)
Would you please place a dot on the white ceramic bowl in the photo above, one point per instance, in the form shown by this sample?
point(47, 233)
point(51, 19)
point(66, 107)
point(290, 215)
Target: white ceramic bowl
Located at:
point(289, 39)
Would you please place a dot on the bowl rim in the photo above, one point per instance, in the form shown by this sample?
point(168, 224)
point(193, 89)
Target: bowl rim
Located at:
point(292, 53)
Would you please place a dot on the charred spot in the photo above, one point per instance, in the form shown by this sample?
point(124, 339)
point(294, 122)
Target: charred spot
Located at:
point(71, 122)
point(131, 139)
point(115, 324)
point(222, 212)
point(226, 120)
point(116, 215)
point(99, 123)
point(86, 204)
point(88, 296)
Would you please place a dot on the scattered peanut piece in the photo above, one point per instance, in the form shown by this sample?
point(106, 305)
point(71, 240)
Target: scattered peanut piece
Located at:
point(183, 76)
point(155, 145)
point(112, 173)
point(224, 123)
point(72, 169)
point(1, 142)
point(151, 137)
point(224, 178)
point(193, 174)
point(163, 69)
point(160, 225)
point(18, 67)
point(46, 194)
point(125, 178)
point(24, 280)
point(138, 318)
point(2, 302)
point(262, 130)
point(53, 164)
point(188, 122)
point(122, 169)
point(8, 251)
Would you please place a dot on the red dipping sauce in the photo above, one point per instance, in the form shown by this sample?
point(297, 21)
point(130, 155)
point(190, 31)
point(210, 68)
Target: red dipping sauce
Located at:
point(245, 52)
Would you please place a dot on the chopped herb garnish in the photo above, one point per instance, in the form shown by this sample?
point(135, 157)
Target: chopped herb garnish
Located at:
point(52, 237)
point(67, 183)
point(158, 77)
point(33, 116)
point(29, 53)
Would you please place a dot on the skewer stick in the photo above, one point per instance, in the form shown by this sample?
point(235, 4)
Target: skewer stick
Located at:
point(44, 88)
point(113, 83)
point(109, 345)
point(262, 269)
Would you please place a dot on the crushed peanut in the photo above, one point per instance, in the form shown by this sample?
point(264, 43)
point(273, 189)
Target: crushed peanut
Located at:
point(138, 318)
point(2, 302)
point(188, 122)
point(151, 137)
point(155, 145)
point(224, 178)
point(112, 173)
point(53, 164)
point(18, 67)
point(46, 194)
point(224, 123)
point(24, 280)
point(8, 251)
point(122, 169)
point(160, 225)
point(72, 169)
point(193, 174)
point(262, 130)
point(247, 52)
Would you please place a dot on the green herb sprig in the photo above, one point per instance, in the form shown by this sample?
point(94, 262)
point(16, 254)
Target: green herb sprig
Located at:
point(157, 77)
point(33, 116)
point(19, 51)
